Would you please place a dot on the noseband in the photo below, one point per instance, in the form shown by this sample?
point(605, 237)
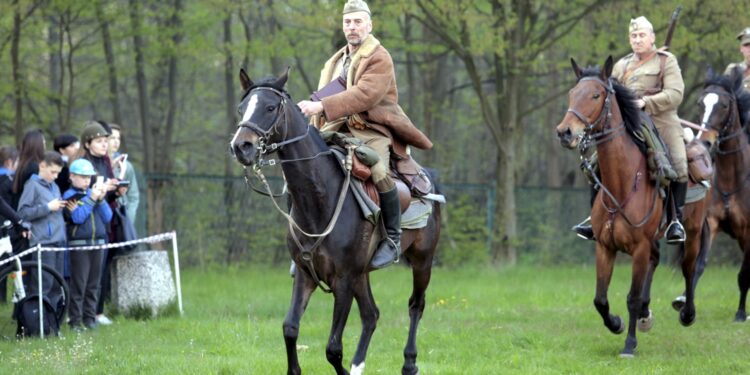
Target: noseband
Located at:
point(590, 137)
point(726, 124)
point(281, 120)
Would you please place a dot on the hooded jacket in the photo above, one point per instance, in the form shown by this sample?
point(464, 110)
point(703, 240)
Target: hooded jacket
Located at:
point(47, 227)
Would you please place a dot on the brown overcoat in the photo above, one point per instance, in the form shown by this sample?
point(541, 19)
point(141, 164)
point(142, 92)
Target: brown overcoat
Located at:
point(371, 93)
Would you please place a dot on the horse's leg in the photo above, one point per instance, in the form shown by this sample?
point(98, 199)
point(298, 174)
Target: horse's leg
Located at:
point(694, 250)
point(645, 318)
point(743, 279)
point(301, 292)
point(605, 261)
point(343, 297)
point(368, 313)
point(421, 273)
point(641, 259)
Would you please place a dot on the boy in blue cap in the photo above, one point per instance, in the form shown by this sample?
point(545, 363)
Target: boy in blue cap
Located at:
point(87, 217)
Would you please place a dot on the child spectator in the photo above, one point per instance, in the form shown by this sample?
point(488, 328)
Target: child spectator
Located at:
point(41, 206)
point(67, 145)
point(87, 217)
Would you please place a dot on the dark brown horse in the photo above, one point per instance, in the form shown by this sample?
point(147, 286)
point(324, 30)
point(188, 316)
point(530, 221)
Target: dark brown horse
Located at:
point(328, 238)
point(726, 114)
point(627, 211)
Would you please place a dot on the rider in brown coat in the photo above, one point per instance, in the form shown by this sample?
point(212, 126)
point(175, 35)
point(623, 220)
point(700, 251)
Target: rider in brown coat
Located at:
point(744, 65)
point(368, 109)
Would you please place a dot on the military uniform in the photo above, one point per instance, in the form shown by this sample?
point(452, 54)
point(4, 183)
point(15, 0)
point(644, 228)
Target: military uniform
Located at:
point(744, 38)
point(662, 98)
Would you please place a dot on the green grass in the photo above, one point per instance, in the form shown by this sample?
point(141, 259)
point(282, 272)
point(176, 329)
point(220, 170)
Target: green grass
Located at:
point(524, 320)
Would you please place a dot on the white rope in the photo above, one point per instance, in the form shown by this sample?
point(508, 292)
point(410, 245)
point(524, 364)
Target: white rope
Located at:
point(153, 239)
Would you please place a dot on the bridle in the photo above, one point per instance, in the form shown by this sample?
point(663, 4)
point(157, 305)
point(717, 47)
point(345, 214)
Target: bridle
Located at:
point(722, 136)
point(591, 138)
point(266, 148)
point(280, 122)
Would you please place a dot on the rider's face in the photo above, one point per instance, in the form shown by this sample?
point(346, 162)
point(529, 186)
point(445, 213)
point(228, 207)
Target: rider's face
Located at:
point(745, 50)
point(641, 41)
point(357, 26)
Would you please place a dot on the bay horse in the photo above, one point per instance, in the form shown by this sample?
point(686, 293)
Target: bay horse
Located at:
point(726, 115)
point(328, 237)
point(628, 209)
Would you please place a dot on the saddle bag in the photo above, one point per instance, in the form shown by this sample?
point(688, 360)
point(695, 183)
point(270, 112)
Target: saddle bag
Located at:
point(700, 167)
point(413, 175)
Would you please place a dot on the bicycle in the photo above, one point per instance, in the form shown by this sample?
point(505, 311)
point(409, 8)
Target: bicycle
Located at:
point(16, 277)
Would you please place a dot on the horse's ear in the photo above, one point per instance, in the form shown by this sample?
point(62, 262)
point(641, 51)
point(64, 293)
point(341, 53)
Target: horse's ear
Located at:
point(281, 81)
point(576, 69)
point(710, 73)
point(245, 80)
point(607, 70)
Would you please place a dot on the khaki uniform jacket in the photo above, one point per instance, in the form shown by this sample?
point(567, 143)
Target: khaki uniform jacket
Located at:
point(371, 93)
point(662, 106)
point(745, 71)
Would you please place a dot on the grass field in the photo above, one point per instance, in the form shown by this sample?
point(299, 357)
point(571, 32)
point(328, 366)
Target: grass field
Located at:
point(523, 320)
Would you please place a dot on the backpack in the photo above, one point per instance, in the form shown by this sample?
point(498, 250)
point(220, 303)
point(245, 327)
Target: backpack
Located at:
point(27, 315)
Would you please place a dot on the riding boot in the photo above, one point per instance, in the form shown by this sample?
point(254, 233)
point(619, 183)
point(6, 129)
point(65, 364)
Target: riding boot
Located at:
point(675, 231)
point(390, 247)
point(584, 229)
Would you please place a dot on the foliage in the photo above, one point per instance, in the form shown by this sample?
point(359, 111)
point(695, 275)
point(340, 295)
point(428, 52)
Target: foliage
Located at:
point(488, 91)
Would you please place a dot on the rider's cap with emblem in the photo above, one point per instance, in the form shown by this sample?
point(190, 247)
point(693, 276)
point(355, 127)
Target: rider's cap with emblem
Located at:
point(352, 6)
point(640, 23)
point(744, 36)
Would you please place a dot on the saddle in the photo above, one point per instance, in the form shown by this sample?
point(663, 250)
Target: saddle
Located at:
point(410, 178)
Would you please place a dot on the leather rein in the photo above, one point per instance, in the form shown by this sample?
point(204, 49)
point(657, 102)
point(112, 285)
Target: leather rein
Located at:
point(592, 138)
point(266, 148)
point(722, 138)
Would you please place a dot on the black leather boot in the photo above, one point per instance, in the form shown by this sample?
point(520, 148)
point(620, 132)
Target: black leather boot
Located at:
point(390, 247)
point(675, 231)
point(584, 230)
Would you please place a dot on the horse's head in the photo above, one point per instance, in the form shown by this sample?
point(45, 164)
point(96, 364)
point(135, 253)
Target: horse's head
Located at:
point(263, 114)
point(588, 104)
point(722, 100)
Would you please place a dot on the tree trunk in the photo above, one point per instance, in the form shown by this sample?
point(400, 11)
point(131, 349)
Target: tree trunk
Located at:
point(234, 247)
point(109, 57)
point(155, 214)
point(54, 43)
point(16, 71)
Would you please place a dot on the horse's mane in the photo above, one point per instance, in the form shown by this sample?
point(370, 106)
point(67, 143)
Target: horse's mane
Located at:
point(732, 83)
point(626, 101)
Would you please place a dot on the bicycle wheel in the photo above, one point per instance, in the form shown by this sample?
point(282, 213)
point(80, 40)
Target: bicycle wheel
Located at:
point(8, 324)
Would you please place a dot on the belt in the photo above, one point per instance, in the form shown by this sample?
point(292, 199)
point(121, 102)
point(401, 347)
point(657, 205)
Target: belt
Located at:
point(87, 242)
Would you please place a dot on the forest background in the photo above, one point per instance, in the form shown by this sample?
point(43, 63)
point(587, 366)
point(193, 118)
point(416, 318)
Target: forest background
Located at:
point(486, 80)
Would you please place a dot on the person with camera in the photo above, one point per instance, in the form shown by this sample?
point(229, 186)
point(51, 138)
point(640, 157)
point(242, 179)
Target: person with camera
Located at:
point(87, 218)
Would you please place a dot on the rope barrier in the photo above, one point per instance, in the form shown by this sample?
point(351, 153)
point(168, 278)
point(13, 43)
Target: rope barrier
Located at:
point(152, 239)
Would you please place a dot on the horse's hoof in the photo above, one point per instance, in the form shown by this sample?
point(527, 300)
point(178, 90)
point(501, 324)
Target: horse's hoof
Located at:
point(678, 303)
point(645, 324)
point(413, 370)
point(619, 327)
point(685, 320)
point(740, 317)
point(357, 370)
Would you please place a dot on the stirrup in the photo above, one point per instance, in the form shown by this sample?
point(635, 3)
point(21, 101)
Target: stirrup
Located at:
point(675, 232)
point(584, 229)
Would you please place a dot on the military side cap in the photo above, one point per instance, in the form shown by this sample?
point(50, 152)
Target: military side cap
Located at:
point(352, 6)
point(744, 36)
point(640, 23)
